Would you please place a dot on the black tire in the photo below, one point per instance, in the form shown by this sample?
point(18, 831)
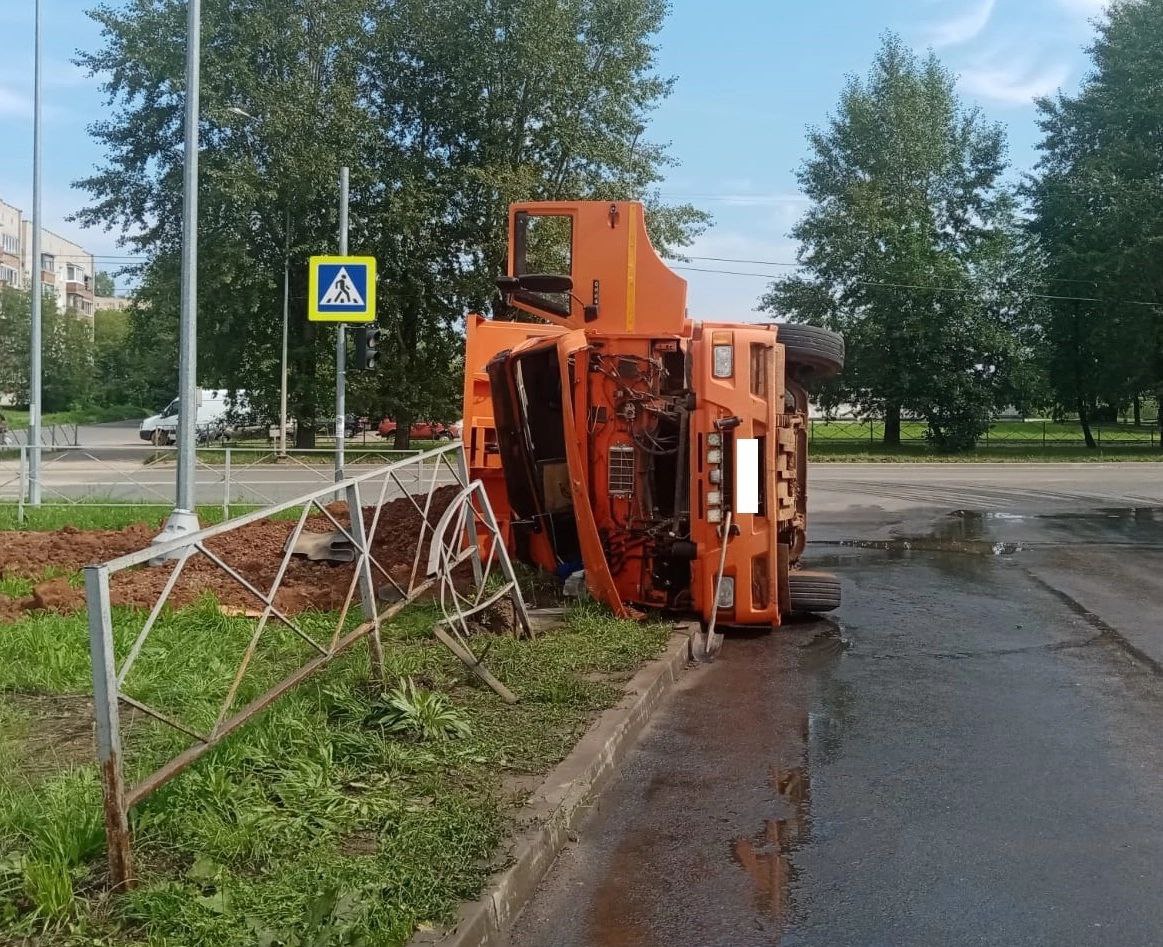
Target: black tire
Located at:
point(813, 354)
point(814, 592)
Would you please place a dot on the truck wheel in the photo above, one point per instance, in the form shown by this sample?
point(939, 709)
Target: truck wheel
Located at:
point(813, 592)
point(813, 354)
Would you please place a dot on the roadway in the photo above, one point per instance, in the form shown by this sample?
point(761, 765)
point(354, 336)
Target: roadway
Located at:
point(969, 752)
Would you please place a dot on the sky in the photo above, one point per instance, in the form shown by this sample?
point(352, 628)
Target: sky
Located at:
point(751, 76)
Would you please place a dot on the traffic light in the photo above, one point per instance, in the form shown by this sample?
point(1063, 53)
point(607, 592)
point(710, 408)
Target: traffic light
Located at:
point(367, 347)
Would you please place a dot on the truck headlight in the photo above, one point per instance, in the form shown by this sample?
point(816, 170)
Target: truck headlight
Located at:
point(723, 360)
point(714, 457)
point(715, 476)
point(714, 439)
point(714, 515)
point(714, 498)
point(726, 597)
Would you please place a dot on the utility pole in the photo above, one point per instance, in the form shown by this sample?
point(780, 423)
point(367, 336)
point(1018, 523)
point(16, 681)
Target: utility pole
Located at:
point(183, 518)
point(34, 368)
point(341, 340)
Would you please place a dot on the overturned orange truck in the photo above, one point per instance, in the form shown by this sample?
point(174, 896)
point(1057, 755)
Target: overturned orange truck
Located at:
point(666, 458)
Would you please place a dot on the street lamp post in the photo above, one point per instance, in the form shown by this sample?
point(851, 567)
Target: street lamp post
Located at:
point(34, 368)
point(183, 518)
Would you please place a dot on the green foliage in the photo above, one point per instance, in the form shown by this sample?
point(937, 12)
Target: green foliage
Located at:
point(909, 250)
point(413, 711)
point(104, 285)
point(1097, 206)
point(445, 112)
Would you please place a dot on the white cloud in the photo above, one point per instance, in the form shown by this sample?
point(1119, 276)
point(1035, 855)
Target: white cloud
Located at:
point(962, 27)
point(13, 103)
point(1014, 84)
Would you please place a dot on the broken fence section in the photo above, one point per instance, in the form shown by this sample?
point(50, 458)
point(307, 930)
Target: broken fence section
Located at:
point(384, 579)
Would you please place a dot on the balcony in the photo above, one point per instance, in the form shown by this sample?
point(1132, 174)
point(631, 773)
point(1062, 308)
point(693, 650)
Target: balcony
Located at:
point(79, 288)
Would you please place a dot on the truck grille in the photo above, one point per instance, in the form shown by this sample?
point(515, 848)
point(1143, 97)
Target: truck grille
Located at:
point(621, 477)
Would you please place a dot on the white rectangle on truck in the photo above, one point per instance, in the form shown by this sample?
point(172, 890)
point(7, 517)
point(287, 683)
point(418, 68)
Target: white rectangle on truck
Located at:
point(747, 470)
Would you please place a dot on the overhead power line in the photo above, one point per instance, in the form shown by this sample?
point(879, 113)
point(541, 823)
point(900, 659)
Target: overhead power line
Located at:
point(939, 289)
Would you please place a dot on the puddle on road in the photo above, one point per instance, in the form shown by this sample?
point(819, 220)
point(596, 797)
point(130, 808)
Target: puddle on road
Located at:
point(930, 544)
point(767, 856)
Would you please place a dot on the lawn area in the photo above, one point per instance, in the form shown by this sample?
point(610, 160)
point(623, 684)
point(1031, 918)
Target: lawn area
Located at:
point(346, 814)
point(1007, 441)
point(112, 516)
point(19, 419)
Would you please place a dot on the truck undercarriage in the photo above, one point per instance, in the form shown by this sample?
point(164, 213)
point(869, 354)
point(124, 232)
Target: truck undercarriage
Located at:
point(665, 458)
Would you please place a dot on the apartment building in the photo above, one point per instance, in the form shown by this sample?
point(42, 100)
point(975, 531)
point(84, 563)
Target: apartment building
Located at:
point(11, 228)
point(66, 269)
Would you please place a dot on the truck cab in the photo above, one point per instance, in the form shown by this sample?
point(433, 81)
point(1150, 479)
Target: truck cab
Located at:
point(664, 457)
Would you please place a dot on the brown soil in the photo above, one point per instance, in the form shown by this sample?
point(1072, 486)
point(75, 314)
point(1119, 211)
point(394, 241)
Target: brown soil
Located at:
point(254, 552)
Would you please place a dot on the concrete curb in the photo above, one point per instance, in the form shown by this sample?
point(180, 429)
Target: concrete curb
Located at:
point(562, 802)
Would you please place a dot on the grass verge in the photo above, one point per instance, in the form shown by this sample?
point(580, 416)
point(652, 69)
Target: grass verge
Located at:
point(920, 453)
point(91, 415)
point(343, 815)
point(110, 515)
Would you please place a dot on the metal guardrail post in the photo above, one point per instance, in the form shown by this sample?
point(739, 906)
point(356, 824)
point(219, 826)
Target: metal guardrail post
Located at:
point(470, 525)
point(108, 719)
point(226, 486)
point(23, 488)
point(367, 588)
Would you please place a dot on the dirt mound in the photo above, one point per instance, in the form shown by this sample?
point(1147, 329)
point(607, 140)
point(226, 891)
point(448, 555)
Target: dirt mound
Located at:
point(253, 552)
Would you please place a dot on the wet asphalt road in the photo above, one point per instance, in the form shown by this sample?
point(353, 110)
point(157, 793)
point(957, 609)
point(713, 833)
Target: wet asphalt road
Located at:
point(971, 753)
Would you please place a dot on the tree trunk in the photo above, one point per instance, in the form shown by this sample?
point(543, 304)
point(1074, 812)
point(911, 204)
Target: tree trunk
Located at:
point(1159, 413)
point(403, 434)
point(1084, 420)
point(1138, 406)
point(892, 425)
point(302, 380)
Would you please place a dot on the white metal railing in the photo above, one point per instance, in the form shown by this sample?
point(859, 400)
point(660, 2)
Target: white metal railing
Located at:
point(226, 477)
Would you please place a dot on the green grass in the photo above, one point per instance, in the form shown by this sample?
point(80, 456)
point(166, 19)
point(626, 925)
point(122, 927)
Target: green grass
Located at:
point(841, 452)
point(91, 415)
point(111, 515)
point(1008, 441)
point(311, 825)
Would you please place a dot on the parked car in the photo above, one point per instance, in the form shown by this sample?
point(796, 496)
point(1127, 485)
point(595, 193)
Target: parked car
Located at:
point(423, 430)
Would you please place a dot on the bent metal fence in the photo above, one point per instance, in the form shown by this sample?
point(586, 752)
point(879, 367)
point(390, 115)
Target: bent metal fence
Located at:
point(466, 567)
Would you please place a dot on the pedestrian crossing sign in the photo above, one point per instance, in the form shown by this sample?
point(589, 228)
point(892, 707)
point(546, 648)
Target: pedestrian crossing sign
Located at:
point(342, 289)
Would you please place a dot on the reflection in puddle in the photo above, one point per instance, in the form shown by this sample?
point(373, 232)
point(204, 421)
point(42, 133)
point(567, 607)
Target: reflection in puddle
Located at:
point(766, 857)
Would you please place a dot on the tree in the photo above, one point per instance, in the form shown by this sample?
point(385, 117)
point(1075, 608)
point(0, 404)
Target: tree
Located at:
point(104, 284)
point(1097, 202)
point(67, 371)
point(908, 249)
point(444, 111)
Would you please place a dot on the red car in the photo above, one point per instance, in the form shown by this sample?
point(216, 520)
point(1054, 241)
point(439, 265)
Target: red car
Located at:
point(423, 430)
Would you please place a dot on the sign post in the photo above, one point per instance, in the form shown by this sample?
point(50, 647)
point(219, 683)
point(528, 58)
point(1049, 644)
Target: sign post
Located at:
point(341, 289)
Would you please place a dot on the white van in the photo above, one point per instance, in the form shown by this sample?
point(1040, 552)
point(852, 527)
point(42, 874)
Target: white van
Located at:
point(215, 411)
